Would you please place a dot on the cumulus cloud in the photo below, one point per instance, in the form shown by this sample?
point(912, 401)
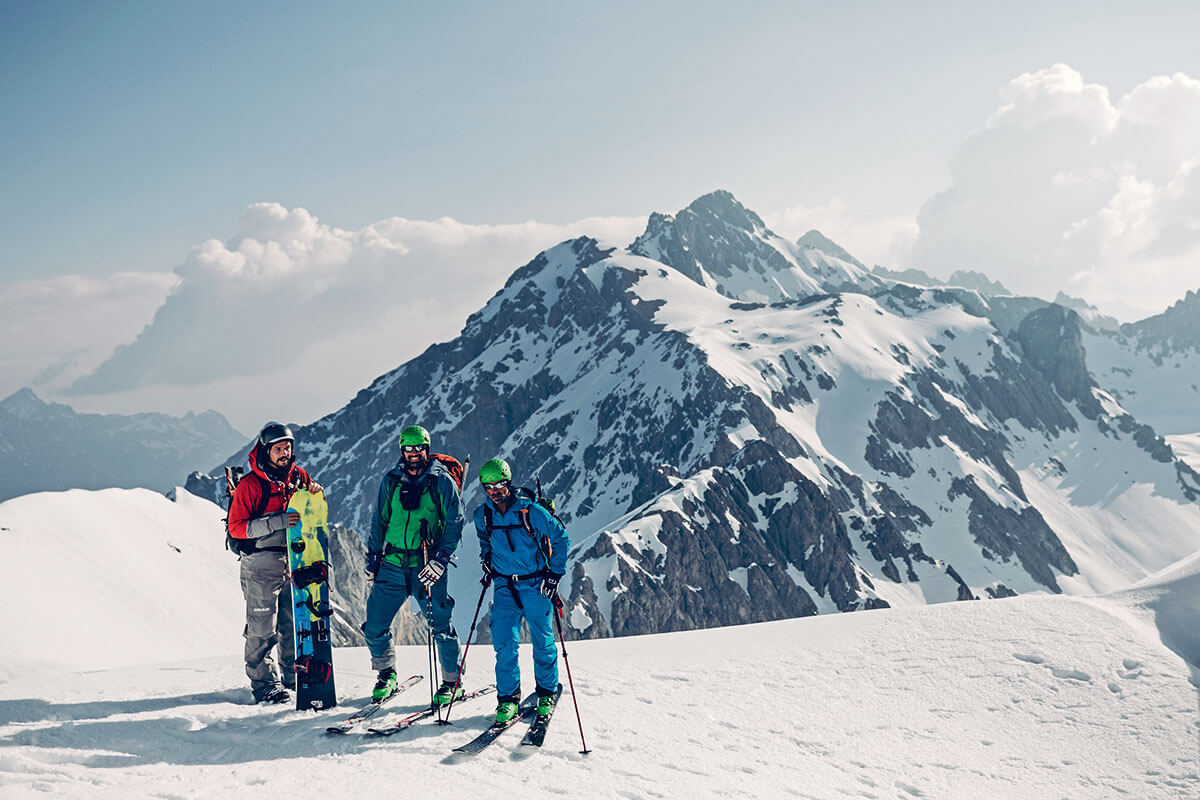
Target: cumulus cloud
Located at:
point(287, 285)
point(1066, 190)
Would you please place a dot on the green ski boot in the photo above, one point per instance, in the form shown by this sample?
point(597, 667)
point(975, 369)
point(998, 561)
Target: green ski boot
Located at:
point(446, 692)
point(545, 705)
point(385, 686)
point(505, 712)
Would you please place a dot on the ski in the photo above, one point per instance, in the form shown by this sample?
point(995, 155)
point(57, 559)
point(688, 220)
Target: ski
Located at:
point(537, 729)
point(527, 707)
point(429, 711)
point(372, 708)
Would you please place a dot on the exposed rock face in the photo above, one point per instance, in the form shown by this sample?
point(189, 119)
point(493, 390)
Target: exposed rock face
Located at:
point(1053, 344)
point(738, 429)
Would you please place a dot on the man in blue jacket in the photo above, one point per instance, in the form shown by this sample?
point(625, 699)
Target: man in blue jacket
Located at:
point(523, 549)
point(417, 525)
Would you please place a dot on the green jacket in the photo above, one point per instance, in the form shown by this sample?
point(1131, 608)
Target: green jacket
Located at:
point(415, 511)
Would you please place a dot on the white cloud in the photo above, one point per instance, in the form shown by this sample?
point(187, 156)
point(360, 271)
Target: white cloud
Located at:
point(288, 288)
point(1065, 190)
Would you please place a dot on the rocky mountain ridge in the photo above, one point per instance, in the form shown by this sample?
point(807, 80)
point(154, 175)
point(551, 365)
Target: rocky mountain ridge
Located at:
point(739, 428)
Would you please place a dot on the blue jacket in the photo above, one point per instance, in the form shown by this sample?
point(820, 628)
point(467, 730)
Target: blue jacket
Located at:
point(445, 492)
point(510, 549)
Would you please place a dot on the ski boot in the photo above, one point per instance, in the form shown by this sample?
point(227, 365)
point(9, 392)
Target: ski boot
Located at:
point(507, 709)
point(447, 692)
point(545, 705)
point(271, 694)
point(385, 686)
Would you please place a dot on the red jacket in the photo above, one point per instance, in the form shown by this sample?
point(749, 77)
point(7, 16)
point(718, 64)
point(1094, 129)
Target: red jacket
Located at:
point(248, 496)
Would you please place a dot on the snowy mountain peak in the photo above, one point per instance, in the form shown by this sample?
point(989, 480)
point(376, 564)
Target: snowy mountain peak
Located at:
point(23, 403)
point(722, 245)
point(721, 206)
point(818, 241)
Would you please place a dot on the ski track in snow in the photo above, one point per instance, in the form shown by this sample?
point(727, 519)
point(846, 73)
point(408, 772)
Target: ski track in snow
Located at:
point(1031, 697)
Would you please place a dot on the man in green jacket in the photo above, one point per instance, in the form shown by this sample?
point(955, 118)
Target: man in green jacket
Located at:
point(417, 526)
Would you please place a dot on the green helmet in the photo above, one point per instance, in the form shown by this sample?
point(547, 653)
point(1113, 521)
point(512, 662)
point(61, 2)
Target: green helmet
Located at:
point(495, 470)
point(414, 435)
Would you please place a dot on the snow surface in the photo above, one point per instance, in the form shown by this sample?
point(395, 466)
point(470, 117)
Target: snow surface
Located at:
point(115, 577)
point(1030, 697)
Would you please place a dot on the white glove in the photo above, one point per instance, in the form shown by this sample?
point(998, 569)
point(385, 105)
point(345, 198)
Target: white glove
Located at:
point(431, 574)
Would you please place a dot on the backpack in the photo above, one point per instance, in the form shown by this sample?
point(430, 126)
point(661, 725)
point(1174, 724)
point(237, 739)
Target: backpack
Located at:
point(453, 466)
point(241, 547)
point(233, 476)
point(542, 500)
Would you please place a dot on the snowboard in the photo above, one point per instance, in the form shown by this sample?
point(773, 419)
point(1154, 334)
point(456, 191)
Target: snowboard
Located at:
point(309, 572)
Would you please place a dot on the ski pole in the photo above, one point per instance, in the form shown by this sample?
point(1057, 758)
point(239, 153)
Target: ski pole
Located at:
point(429, 628)
point(463, 662)
point(558, 606)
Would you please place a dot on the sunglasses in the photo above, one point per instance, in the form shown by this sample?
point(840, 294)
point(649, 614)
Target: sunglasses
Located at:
point(487, 487)
point(415, 448)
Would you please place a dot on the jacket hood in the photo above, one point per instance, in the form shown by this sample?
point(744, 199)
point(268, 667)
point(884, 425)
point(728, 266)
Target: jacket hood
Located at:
point(258, 458)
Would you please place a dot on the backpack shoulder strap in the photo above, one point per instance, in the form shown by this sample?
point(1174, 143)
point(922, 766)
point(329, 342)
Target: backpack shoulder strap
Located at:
point(264, 495)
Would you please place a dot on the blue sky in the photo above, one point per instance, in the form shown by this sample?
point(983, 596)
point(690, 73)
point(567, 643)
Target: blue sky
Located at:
point(131, 133)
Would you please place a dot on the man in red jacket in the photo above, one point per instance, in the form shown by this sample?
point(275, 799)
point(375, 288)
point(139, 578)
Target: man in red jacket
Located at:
point(258, 523)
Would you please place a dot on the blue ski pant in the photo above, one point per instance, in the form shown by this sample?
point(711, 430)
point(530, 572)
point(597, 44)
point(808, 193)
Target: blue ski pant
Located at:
point(513, 601)
point(393, 586)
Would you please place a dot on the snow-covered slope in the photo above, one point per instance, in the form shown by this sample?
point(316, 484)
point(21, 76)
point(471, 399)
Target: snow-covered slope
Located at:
point(98, 579)
point(1032, 697)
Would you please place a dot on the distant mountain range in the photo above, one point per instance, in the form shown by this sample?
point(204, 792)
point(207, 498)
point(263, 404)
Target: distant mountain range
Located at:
point(49, 446)
point(742, 428)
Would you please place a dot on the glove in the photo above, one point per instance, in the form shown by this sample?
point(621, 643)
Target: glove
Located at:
point(549, 586)
point(374, 562)
point(488, 572)
point(434, 570)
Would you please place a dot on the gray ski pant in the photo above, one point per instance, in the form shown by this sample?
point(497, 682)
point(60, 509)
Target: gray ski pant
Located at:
point(269, 611)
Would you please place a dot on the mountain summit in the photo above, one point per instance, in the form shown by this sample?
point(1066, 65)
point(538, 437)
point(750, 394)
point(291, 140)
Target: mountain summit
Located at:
point(722, 245)
point(741, 429)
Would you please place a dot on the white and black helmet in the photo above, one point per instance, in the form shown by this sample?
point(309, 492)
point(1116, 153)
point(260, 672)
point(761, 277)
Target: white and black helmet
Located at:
point(274, 432)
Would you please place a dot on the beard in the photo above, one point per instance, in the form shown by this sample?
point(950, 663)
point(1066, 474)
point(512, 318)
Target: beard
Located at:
point(279, 472)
